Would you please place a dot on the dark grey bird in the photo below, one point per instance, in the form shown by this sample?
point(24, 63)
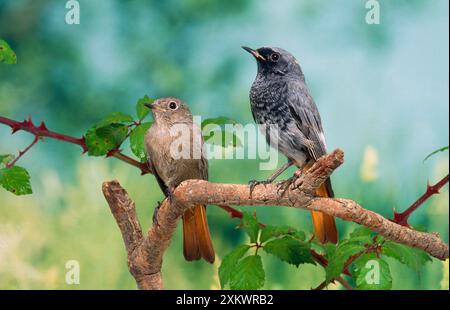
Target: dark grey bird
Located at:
point(172, 115)
point(279, 96)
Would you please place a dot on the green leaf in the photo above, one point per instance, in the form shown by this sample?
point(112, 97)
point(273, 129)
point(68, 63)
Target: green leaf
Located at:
point(220, 137)
point(229, 263)
point(114, 118)
point(220, 121)
point(16, 180)
point(141, 110)
point(100, 141)
point(7, 55)
point(137, 144)
point(269, 232)
point(290, 250)
point(4, 159)
point(223, 139)
point(380, 239)
point(442, 149)
point(248, 274)
point(412, 257)
point(251, 226)
point(372, 273)
point(330, 248)
point(362, 235)
point(339, 257)
point(361, 232)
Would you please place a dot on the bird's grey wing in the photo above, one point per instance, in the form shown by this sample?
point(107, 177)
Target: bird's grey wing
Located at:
point(161, 183)
point(307, 117)
point(253, 114)
point(306, 114)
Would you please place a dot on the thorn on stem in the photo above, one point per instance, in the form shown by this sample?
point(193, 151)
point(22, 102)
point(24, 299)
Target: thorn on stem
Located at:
point(43, 127)
point(402, 218)
point(30, 122)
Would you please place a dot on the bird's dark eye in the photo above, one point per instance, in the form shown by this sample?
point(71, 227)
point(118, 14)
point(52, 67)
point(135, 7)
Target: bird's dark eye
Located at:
point(173, 105)
point(275, 57)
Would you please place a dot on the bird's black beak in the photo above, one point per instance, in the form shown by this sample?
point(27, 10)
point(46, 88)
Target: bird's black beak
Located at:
point(255, 53)
point(149, 105)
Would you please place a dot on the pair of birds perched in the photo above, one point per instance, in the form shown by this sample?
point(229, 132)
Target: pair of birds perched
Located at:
point(279, 96)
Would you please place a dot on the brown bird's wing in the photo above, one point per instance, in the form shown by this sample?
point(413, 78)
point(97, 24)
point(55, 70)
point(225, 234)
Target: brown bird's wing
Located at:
point(161, 183)
point(197, 242)
point(305, 112)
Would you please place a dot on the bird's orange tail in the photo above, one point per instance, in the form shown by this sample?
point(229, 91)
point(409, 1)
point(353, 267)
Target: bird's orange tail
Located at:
point(324, 224)
point(196, 238)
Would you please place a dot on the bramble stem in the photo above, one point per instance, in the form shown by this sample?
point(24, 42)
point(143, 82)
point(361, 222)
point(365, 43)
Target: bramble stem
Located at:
point(402, 218)
point(43, 131)
point(21, 153)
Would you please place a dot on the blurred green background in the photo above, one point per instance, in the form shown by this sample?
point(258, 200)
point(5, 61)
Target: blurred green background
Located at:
point(382, 91)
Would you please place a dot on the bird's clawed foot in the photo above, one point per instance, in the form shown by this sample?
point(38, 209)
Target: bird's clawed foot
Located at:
point(253, 183)
point(284, 186)
point(170, 196)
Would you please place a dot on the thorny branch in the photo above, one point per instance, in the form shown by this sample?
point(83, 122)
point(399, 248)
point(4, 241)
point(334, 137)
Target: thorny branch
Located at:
point(402, 218)
point(300, 194)
point(21, 153)
point(42, 131)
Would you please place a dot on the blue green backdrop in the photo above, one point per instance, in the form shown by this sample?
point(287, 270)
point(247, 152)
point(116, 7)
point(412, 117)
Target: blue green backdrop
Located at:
point(382, 91)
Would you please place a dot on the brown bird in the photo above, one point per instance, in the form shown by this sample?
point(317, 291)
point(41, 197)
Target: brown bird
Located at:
point(175, 153)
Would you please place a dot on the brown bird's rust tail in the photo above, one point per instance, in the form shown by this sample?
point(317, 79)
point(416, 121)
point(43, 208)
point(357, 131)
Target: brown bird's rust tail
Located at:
point(197, 242)
point(324, 224)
